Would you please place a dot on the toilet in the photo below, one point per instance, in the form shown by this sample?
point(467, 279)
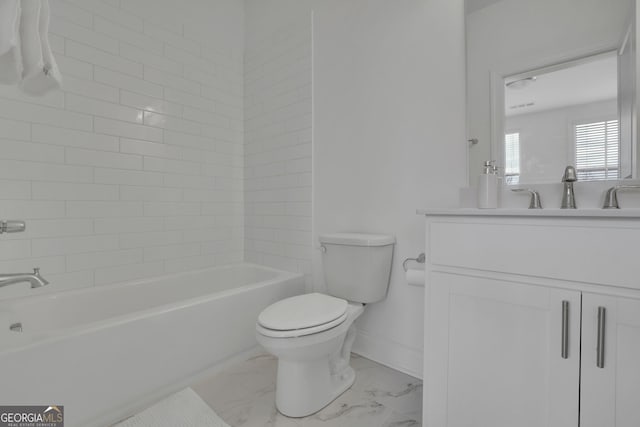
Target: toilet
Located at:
point(312, 334)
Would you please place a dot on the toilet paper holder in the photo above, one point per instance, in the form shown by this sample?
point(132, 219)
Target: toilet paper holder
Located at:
point(420, 260)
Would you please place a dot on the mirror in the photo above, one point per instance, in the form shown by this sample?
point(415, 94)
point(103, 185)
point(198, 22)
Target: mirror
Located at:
point(551, 83)
point(566, 114)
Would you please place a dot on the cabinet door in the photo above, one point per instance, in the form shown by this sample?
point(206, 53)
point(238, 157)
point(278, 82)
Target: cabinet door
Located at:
point(494, 354)
point(610, 388)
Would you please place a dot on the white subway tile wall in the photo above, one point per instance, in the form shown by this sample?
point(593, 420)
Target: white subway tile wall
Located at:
point(136, 168)
point(277, 174)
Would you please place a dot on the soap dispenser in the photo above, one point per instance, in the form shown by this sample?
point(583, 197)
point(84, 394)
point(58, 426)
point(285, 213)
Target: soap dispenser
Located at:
point(488, 184)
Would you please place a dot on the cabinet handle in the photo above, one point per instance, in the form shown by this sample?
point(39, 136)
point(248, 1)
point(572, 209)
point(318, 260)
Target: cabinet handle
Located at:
point(565, 330)
point(602, 312)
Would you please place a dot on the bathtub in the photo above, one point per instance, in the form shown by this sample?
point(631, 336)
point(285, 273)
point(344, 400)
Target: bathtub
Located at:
point(104, 351)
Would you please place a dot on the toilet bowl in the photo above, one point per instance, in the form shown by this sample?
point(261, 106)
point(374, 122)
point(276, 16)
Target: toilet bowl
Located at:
point(312, 335)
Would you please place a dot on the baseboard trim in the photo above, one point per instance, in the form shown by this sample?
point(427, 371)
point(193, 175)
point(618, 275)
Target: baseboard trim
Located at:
point(389, 353)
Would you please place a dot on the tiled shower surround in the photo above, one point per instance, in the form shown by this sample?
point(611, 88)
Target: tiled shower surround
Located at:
point(278, 131)
point(136, 168)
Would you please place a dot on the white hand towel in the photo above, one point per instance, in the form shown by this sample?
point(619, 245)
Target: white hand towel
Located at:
point(30, 37)
point(10, 55)
point(41, 73)
point(9, 21)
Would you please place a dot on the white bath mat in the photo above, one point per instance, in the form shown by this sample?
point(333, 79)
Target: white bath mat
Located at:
point(183, 409)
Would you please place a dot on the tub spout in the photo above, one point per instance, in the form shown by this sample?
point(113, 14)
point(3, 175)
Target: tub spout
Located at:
point(36, 280)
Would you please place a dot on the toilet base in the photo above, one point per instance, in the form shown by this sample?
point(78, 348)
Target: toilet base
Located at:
point(304, 389)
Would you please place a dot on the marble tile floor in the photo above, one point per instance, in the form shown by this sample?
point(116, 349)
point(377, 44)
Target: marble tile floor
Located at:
point(244, 395)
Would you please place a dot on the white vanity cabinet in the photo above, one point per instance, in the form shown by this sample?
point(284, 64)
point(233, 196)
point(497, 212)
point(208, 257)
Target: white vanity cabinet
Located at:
point(610, 394)
point(532, 321)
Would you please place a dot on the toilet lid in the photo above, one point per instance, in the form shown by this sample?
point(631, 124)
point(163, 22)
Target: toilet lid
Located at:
point(302, 311)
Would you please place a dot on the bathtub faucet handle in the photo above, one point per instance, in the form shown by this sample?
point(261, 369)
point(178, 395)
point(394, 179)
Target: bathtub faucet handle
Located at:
point(12, 226)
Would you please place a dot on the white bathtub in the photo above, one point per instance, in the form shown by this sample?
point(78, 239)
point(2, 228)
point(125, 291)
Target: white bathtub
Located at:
point(101, 351)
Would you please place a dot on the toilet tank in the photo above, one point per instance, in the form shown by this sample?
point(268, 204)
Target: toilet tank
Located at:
point(357, 266)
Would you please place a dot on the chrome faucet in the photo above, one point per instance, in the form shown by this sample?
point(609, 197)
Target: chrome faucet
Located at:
point(568, 196)
point(36, 280)
point(535, 202)
point(611, 197)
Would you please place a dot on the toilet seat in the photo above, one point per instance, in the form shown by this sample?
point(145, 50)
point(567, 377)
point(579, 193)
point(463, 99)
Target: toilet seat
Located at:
point(302, 315)
point(293, 333)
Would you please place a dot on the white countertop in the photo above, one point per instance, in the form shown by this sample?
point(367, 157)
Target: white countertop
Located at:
point(571, 213)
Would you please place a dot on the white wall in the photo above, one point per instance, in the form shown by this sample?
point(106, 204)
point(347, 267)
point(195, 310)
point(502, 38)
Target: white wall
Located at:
point(512, 36)
point(135, 169)
point(547, 141)
point(278, 134)
point(388, 139)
